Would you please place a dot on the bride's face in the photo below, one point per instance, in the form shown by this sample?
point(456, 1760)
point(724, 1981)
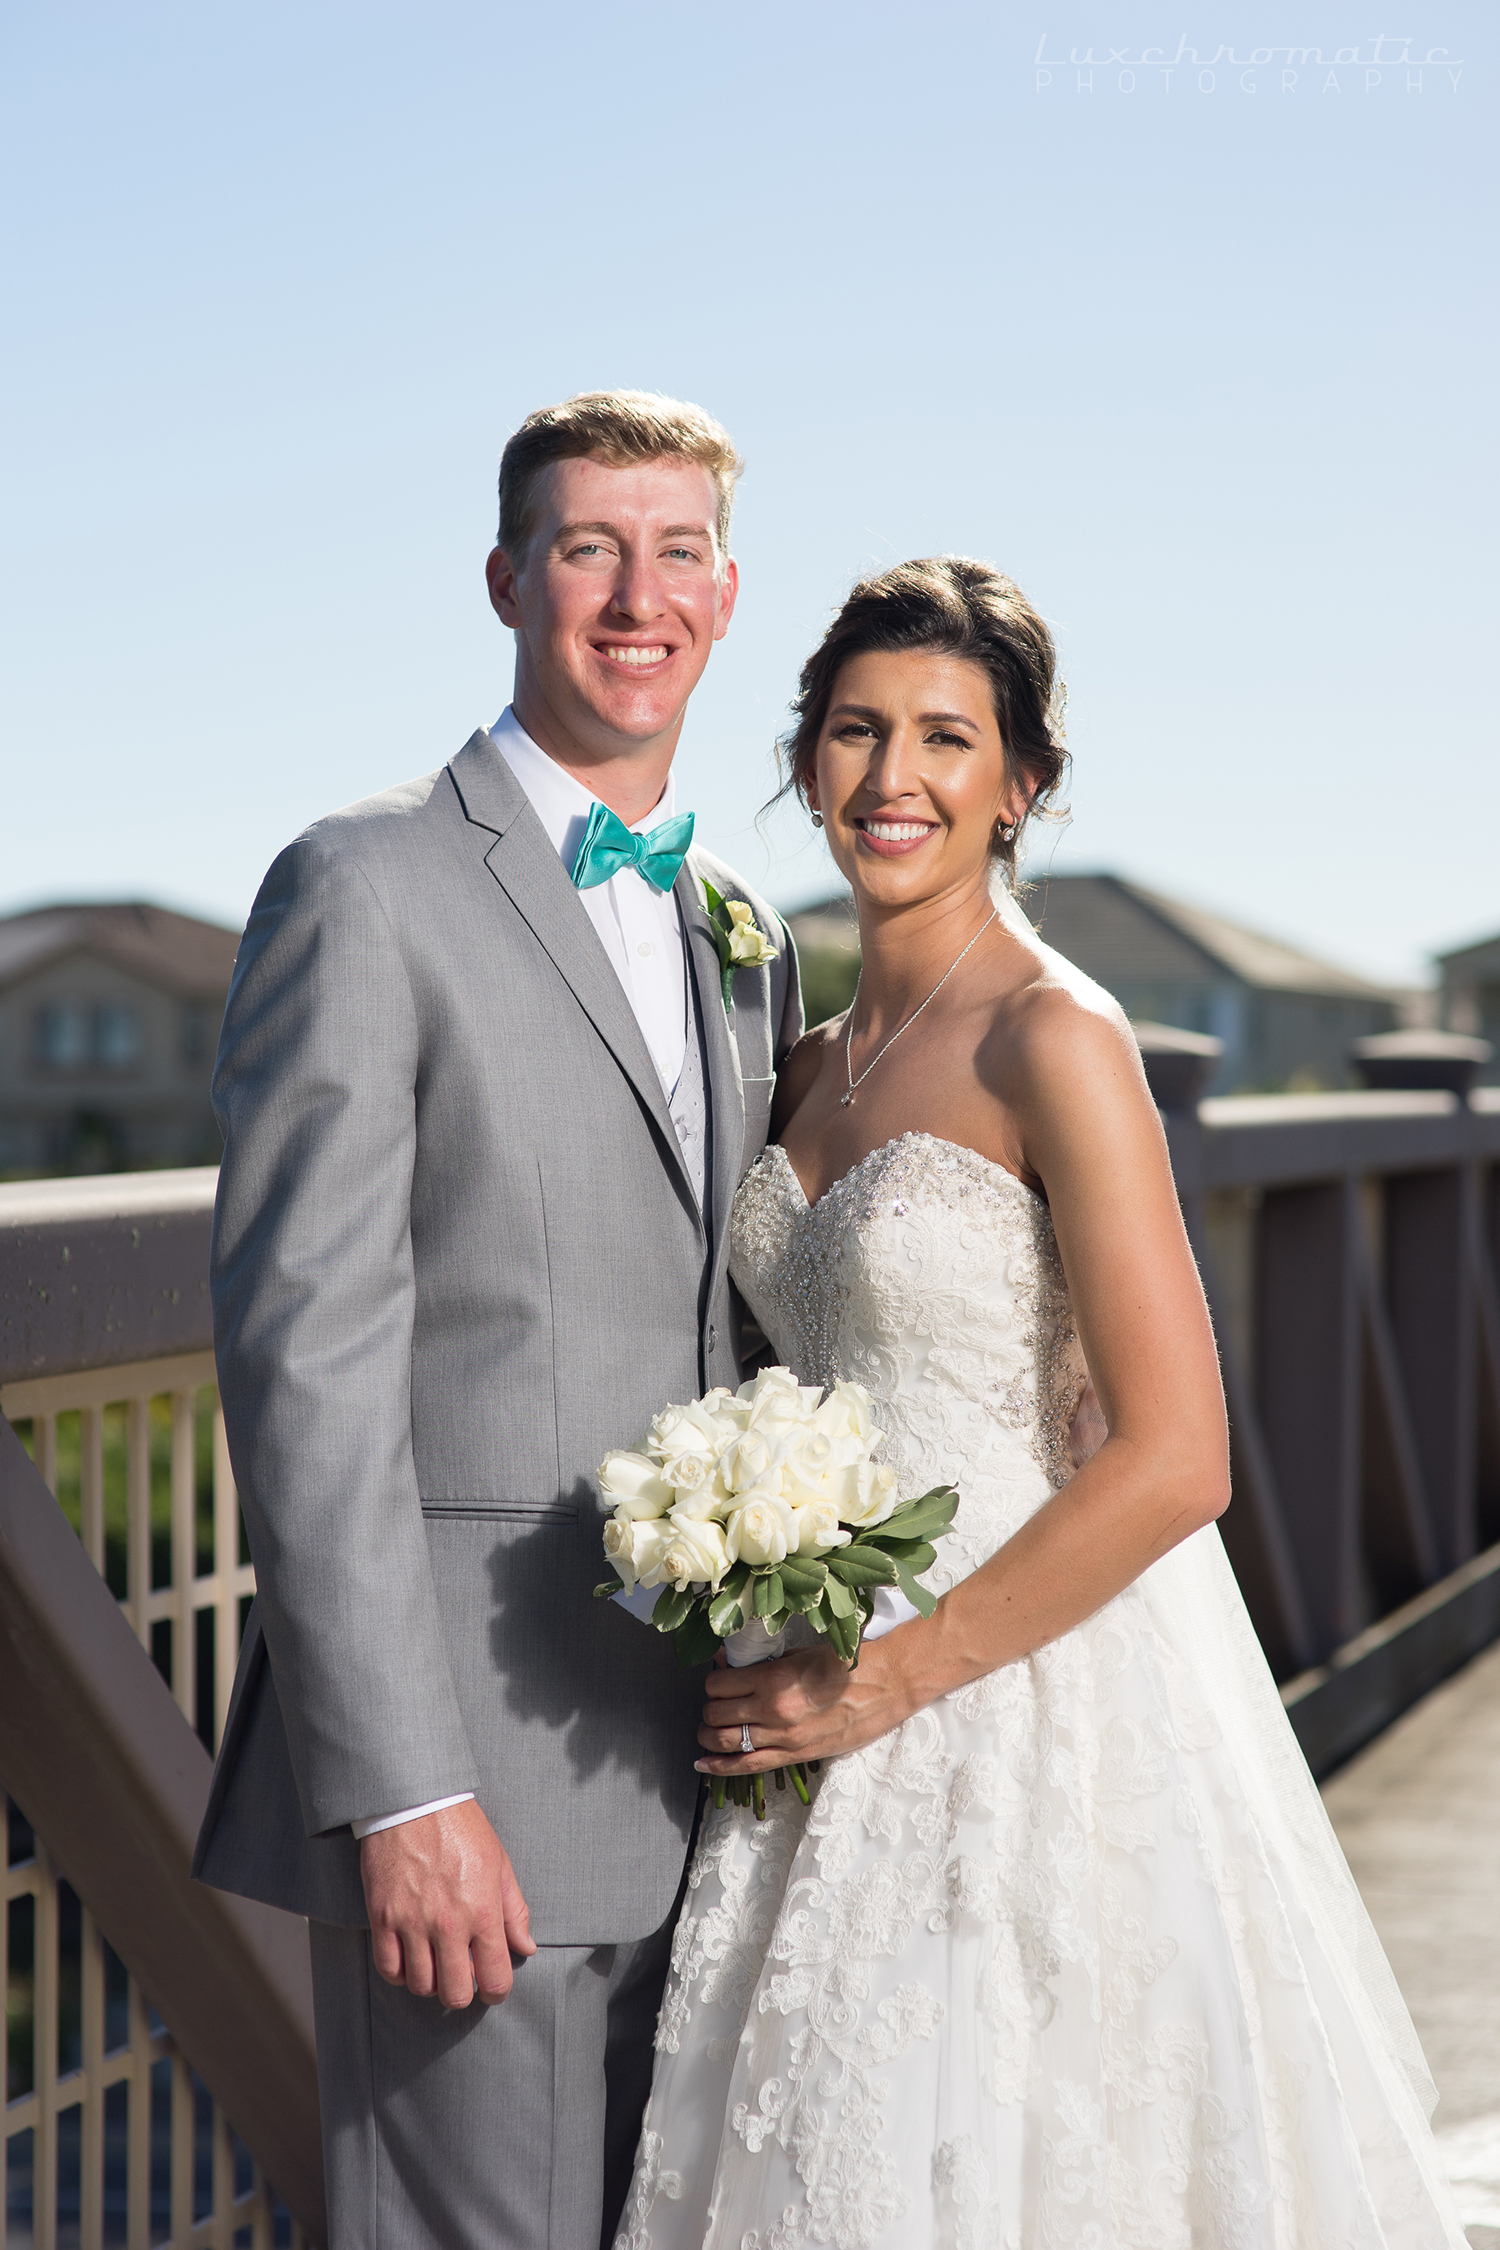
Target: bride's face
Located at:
point(911, 775)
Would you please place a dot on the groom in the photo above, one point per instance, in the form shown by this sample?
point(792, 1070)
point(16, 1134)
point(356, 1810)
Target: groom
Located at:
point(485, 1109)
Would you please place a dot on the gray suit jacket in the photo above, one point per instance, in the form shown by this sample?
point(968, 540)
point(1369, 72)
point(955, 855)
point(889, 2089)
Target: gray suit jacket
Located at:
point(456, 1257)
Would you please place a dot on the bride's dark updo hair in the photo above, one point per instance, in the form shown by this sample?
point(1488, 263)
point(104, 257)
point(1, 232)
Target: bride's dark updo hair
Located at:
point(947, 605)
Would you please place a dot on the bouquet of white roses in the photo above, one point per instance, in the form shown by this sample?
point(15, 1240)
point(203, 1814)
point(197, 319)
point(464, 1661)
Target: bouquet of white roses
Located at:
point(753, 1507)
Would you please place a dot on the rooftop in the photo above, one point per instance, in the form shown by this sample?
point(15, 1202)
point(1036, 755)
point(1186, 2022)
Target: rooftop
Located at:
point(1142, 935)
point(175, 952)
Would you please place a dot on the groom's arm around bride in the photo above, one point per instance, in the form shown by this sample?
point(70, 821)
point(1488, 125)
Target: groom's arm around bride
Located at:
point(485, 1108)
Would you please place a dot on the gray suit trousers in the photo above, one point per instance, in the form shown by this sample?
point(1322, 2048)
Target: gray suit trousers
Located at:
point(528, 2112)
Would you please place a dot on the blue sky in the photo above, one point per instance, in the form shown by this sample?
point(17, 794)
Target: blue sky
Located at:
point(1204, 360)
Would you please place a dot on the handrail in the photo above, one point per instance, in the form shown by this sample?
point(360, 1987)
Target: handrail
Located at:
point(93, 1747)
point(96, 1272)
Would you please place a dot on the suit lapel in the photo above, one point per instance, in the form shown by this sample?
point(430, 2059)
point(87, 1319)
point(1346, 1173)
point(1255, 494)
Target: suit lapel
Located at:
point(725, 1087)
point(528, 870)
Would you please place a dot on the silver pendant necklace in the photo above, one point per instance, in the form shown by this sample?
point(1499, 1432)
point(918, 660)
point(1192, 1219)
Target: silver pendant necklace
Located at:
point(846, 1101)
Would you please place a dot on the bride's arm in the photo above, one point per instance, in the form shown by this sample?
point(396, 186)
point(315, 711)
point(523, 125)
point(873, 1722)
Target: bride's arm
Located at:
point(1076, 1096)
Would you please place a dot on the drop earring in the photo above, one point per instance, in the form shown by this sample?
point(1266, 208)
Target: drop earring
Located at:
point(817, 820)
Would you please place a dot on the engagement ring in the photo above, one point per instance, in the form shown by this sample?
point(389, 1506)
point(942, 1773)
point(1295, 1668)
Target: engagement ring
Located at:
point(745, 1742)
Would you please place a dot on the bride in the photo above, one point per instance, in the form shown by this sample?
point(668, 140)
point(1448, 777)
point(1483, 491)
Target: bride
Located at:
point(1064, 1952)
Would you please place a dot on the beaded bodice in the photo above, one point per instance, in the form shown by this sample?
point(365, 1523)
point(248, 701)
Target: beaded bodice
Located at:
point(931, 1276)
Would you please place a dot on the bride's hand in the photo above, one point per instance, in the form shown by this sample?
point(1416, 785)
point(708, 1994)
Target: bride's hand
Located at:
point(798, 1707)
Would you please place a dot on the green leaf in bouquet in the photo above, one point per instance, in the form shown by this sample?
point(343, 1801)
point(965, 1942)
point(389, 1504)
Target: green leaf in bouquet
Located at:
point(917, 1594)
point(672, 1606)
point(839, 1600)
point(859, 1565)
point(802, 1574)
point(610, 1586)
point(843, 1636)
point(921, 1518)
point(769, 1595)
point(715, 898)
point(695, 1640)
point(726, 1611)
point(911, 1554)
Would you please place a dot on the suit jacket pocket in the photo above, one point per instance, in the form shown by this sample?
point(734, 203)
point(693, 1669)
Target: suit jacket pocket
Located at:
point(758, 1097)
point(504, 1511)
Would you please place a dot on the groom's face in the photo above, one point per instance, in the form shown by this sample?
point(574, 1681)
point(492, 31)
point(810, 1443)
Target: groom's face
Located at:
point(617, 600)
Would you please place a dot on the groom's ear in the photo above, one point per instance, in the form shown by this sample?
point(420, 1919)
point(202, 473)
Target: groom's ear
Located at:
point(729, 586)
point(500, 576)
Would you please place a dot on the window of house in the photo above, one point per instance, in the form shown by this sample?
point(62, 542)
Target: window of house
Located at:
point(117, 1037)
point(70, 1037)
point(63, 1036)
point(194, 1034)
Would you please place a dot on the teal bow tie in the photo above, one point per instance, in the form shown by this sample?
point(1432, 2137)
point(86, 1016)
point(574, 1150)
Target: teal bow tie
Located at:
point(608, 845)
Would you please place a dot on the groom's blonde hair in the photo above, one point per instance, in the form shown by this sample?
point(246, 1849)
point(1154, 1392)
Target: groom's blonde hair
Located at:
point(617, 427)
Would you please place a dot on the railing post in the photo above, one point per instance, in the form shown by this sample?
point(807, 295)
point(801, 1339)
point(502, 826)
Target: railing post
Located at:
point(1429, 1291)
point(1307, 1364)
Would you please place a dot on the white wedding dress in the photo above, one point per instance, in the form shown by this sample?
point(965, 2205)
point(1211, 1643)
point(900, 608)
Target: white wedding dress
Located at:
point(1072, 1957)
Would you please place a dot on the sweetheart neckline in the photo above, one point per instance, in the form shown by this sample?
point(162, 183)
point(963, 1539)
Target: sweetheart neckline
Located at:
point(933, 1140)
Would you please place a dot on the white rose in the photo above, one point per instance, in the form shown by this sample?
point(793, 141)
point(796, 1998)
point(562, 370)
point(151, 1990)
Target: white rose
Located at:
point(634, 1484)
point(777, 1400)
point(761, 1530)
point(745, 1461)
point(846, 1413)
point(708, 1503)
point(682, 1429)
point(818, 1530)
point(807, 1460)
point(872, 1497)
point(636, 1549)
point(748, 949)
point(687, 1473)
point(694, 1553)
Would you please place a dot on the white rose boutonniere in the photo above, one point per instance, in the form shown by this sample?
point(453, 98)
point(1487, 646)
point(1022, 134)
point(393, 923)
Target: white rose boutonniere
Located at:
point(741, 944)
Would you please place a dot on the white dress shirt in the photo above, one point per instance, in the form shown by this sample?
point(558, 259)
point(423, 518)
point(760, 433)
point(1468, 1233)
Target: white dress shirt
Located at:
point(640, 929)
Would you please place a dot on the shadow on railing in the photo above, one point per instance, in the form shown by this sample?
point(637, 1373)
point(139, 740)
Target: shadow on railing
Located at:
point(120, 1616)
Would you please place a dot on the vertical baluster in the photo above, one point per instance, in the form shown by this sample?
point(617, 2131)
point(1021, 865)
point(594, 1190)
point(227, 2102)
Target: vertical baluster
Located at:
point(138, 1512)
point(91, 2209)
point(44, 1440)
point(226, 1567)
point(184, 1558)
point(260, 2220)
point(91, 1484)
point(223, 2225)
point(44, 2175)
point(138, 2162)
point(182, 2154)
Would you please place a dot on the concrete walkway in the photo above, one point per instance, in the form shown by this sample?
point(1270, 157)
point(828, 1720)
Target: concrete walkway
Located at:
point(1418, 1815)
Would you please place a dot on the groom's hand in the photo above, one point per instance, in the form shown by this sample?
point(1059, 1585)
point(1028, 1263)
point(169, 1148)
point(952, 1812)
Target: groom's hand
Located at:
point(446, 1911)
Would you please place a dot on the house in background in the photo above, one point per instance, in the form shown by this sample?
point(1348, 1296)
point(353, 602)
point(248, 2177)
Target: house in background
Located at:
point(1287, 1020)
point(1471, 996)
point(109, 1017)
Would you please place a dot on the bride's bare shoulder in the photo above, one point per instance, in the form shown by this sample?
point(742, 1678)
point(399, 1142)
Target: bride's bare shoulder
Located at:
point(1055, 1022)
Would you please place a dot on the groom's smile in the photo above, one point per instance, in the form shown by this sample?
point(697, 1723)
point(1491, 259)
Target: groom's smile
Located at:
point(616, 600)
